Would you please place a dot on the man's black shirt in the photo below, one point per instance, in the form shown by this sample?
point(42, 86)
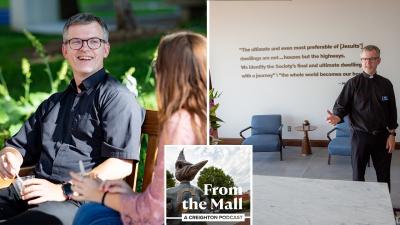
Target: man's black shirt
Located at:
point(370, 103)
point(102, 121)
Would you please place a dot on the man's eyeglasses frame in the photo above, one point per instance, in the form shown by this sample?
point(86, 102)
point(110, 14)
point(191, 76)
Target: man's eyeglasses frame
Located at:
point(87, 43)
point(372, 59)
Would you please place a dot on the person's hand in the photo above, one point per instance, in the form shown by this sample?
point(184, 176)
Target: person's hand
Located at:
point(86, 188)
point(10, 163)
point(332, 119)
point(42, 191)
point(116, 186)
point(390, 143)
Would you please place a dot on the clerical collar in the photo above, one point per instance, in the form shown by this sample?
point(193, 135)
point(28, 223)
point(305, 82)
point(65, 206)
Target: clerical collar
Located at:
point(366, 75)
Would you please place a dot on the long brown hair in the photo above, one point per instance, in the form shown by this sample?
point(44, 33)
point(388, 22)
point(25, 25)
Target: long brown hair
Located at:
point(181, 68)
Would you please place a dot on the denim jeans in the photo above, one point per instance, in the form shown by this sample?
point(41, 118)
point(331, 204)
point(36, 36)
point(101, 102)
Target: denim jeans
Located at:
point(96, 214)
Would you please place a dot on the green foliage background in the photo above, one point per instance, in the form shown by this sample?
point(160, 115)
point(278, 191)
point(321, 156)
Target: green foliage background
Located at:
point(217, 178)
point(27, 78)
point(170, 180)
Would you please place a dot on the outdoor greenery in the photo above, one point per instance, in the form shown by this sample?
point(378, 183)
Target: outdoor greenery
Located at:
point(28, 74)
point(140, 7)
point(170, 180)
point(4, 4)
point(15, 46)
point(246, 205)
point(15, 110)
point(217, 178)
point(138, 11)
point(215, 122)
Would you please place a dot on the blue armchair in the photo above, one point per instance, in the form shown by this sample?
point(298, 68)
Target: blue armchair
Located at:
point(266, 134)
point(341, 144)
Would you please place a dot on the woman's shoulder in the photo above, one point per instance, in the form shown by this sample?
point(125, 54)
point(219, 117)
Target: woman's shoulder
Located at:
point(178, 129)
point(180, 120)
point(180, 116)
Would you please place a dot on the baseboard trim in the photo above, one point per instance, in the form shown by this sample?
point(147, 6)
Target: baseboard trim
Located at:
point(230, 141)
point(286, 142)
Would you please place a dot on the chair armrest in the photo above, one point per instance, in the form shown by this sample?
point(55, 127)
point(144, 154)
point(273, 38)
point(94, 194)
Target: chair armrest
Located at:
point(329, 133)
point(241, 132)
point(280, 128)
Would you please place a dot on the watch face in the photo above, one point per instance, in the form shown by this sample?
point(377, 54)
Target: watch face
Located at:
point(67, 189)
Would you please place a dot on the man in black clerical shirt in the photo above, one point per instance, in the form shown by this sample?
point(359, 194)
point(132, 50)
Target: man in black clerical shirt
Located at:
point(96, 120)
point(369, 100)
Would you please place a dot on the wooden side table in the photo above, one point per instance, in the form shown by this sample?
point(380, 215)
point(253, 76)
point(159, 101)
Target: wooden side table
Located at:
point(305, 143)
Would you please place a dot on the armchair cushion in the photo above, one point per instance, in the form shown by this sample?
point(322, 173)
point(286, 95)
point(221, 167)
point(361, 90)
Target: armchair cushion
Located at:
point(264, 142)
point(340, 146)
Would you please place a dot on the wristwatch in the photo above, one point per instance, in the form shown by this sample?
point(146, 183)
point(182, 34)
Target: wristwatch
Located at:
point(392, 133)
point(67, 190)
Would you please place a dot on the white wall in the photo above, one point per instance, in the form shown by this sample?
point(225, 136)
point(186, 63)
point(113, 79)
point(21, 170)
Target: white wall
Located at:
point(240, 24)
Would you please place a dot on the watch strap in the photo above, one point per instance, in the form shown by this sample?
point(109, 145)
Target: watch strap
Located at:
point(66, 187)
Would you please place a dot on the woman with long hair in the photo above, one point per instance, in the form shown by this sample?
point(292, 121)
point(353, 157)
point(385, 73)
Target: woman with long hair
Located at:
point(180, 68)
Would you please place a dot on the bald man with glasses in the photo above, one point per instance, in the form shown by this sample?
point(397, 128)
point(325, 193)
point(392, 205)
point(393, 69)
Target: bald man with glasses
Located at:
point(368, 99)
point(95, 120)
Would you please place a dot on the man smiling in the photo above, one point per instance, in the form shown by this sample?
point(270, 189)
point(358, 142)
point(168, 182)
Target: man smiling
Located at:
point(95, 120)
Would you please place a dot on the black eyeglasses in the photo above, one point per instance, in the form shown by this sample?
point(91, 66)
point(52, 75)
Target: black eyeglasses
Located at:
point(372, 59)
point(92, 43)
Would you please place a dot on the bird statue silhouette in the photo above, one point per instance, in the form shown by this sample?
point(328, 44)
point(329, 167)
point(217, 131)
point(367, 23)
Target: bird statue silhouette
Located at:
point(184, 173)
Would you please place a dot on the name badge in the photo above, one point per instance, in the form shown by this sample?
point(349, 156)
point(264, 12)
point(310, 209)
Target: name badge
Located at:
point(385, 98)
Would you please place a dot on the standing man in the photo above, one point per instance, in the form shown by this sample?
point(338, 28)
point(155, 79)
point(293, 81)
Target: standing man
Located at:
point(96, 120)
point(369, 100)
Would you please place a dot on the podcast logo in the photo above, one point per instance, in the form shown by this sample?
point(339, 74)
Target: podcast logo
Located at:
point(208, 184)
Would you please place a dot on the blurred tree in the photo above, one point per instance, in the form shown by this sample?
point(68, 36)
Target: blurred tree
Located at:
point(217, 178)
point(123, 10)
point(124, 14)
point(170, 180)
point(68, 8)
point(191, 9)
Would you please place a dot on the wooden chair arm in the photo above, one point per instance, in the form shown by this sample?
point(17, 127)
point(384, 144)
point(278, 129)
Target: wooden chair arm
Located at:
point(150, 127)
